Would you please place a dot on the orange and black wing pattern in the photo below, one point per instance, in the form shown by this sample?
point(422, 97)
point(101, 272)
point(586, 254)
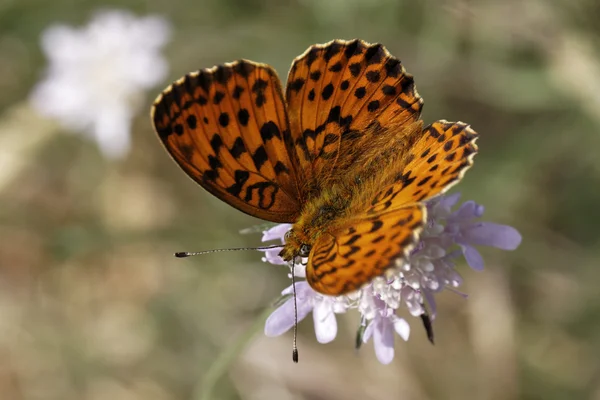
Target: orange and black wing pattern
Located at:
point(344, 260)
point(383, 236)
point(339, 93)
point(436, 162)
point(227, 128)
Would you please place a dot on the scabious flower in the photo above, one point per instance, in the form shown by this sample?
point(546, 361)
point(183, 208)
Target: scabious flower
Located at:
point(97, 75)
point(429, 270)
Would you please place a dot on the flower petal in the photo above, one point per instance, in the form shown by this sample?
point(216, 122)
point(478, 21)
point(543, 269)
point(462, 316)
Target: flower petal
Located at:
point(368, 331)
point(325, 322)
point(272, 257)
point(467, 210)
point(430, 298)
point(303, 290)
point(441, 207)
point(276, 232)
point(299, 271)
point(449, 201)
point(490, 234)
point(473, 257)
point(402, 328)
point(282, 319)
point(383, 340)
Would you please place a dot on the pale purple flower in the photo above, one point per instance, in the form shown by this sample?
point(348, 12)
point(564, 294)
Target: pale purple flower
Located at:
point(383, 325)
point(97, 75)
point(323, 308)
point(465, 230)
point(429, 270)
point(275, 233)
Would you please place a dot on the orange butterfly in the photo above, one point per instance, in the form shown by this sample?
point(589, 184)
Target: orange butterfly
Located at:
point(344, 156)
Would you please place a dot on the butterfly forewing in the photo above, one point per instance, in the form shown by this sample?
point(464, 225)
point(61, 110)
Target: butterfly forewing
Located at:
point(339, 91)
point(344, 260)
point(227, 128)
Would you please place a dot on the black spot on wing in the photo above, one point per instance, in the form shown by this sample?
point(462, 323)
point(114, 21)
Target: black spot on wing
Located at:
point(237, 92)
point(218, 97)
point(297, 84)
point(280, 168)
point(224, 119)
point(243, 117)
point(191, 121)
point(269, 130)
point(216, 143)
point(331, 50)
point(240, 178)
point(238, 148)
point(327, 92)
point(243, 68)
point(260, 157)
point(373, 76)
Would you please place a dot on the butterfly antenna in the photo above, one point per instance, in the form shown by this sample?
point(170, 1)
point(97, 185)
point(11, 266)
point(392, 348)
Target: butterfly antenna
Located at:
point(294, 344)
point(183, 254)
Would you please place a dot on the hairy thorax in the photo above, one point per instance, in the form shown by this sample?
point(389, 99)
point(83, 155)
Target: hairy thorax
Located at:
point(319, 215)
point(346, 194)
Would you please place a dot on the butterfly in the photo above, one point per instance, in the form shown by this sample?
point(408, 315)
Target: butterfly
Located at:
point(343, 155)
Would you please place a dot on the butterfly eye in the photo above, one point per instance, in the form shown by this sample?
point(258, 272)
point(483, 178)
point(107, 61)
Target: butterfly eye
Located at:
point(304, 250)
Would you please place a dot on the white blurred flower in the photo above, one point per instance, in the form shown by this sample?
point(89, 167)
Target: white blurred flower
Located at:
point(97, 75)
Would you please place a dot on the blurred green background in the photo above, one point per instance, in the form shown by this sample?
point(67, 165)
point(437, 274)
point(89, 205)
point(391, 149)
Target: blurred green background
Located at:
point(94, 306)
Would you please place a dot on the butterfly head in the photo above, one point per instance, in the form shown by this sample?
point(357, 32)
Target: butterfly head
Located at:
point(296, 245)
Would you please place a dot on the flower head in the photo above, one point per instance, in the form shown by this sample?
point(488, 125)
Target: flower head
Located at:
point(97, 75)
point(429, 270)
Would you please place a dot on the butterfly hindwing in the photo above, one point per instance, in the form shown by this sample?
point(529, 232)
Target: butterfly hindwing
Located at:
point(344, 260)
point(437, 161)
point(341, 92)
point(227, 129)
